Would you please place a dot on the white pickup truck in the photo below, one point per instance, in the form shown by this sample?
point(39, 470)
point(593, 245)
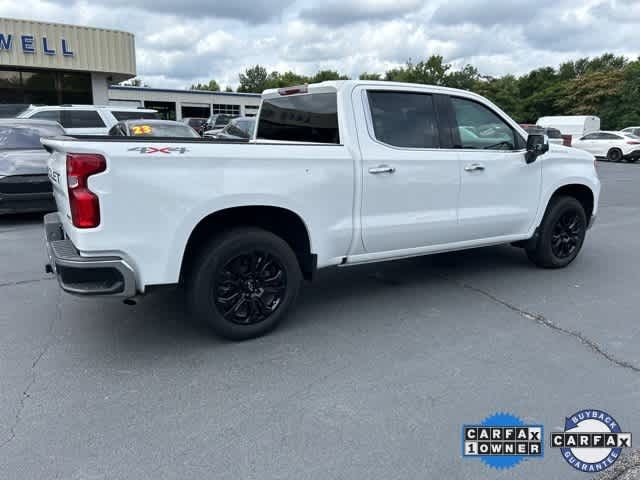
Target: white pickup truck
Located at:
point(338, 174)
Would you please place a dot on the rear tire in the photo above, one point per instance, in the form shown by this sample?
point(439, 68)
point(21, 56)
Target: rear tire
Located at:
point(244, 283)
point(614, 155)
point(561, 234)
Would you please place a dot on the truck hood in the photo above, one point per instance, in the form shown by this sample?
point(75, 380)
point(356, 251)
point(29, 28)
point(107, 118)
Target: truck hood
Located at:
point(23, 162)
point(570, 152)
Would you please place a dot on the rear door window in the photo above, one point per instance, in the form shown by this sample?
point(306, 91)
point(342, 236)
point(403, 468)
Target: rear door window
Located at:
point(81, 119)
point(53, 115)
point(404, 119)
point(133, 115)
point(300, 118)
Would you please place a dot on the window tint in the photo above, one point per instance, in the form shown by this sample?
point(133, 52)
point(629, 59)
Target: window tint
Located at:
point(222, 120)
point(553, 133)
point(81, 119)
point(590, 136)
point(53, 115)
point(610, 136)
point(300, 118)
point(480, 128)
point(123, 115)
point(153, 129)
point(404, 119)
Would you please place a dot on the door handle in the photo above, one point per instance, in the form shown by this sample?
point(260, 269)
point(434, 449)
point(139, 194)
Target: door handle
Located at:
point(474, 167)
point(382, 169)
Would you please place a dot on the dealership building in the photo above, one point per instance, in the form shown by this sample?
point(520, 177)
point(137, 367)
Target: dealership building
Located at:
point(54, 64)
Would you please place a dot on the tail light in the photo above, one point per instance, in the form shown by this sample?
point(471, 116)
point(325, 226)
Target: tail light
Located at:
point(85, 206)
point(633, 142)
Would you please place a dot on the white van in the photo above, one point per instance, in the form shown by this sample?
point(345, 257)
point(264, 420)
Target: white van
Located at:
point(87, 119)
point(577, 126)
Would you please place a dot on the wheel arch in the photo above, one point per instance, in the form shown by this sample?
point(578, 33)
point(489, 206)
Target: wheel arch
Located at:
point(580, 191)
point(280, 221)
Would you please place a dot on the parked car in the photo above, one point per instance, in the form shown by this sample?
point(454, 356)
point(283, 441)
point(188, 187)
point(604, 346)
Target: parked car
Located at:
point(152, 128)
point(24, 184)
point(196, 123)
point(632, 130)
point(87, 119)
point(576, 126)
point(215, 123)
point(553, 134)
point(339, 174)
point(12, 110)
point(240, 128)
point(615, 146)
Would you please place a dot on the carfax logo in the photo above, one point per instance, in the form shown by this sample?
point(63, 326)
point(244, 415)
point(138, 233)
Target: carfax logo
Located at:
point(592, 440)
point(502, 441)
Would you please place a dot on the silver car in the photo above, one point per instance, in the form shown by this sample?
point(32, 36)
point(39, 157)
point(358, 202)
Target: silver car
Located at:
point(24, 183)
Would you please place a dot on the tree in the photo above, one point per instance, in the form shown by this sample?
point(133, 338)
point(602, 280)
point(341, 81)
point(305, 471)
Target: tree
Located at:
point(370, 76)
point(253, 80)
point(212, 86)
point(134, 82)
point(324, 75)
point(433, 71)
point(465, 79)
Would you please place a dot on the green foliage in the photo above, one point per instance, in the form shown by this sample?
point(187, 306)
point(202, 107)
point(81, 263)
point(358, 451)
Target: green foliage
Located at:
point(607, 86)
point(212, 86)
point(370, 76)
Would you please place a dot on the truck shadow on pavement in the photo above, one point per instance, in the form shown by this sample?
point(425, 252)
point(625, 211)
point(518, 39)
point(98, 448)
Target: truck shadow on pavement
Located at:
point(339, 298)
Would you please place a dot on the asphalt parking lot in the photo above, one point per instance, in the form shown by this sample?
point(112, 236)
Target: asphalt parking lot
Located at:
point(371, 377)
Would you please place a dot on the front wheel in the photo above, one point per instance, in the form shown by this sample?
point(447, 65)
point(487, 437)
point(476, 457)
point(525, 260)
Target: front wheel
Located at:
point(561, 234)
point(244, 282)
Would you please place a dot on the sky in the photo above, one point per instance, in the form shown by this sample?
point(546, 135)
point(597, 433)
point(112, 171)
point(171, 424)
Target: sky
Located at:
point(180, 42)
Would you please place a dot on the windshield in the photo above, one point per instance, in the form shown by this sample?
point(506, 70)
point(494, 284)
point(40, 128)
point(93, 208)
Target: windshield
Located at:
point(162, 130)
point(23, 138)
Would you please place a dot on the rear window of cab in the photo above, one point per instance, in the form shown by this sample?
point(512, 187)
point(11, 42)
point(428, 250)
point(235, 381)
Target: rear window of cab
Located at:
point(300, 118)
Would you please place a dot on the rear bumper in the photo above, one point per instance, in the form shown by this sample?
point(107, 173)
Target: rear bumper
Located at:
point(78, 275)
point(26, 193)
point(634, 155)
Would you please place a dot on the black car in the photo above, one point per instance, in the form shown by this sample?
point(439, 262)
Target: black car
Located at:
point(197, 123)
point(24, 184)
point(152, 128)
point(240, 128)
point(216, 122)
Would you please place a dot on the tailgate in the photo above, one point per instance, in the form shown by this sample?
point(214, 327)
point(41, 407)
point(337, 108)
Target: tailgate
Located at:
point(57, 171)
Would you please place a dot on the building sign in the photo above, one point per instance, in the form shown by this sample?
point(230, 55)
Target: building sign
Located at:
point(30, 44)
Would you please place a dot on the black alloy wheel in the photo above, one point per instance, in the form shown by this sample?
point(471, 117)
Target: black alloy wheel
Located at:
point(567, 235)
point(243, 282)
point(250, 287)
point(561, 234)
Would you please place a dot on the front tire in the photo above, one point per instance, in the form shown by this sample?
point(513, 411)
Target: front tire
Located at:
point(561, 234)
point(614, 155)
point(244, 283)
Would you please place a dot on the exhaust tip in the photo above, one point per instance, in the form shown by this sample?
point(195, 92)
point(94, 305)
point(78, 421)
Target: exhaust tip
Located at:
point(129, 302)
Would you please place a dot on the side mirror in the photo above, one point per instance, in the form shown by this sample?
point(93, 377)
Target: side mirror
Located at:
point(537, 144)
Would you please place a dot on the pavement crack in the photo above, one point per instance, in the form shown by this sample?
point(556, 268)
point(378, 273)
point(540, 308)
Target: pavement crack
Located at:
point(24, 282)
point(26, 393)
point(545, 322)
